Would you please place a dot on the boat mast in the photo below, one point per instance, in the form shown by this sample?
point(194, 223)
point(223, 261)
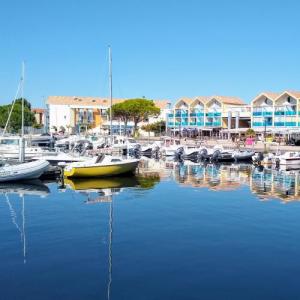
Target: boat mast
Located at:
point(110, 90)
point(22, 141)
point(22, 97)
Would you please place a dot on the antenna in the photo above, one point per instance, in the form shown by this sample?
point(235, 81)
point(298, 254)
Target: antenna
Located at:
point(110, 87)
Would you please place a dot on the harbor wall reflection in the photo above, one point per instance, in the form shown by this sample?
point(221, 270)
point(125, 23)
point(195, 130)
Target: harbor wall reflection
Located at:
point(265, 183)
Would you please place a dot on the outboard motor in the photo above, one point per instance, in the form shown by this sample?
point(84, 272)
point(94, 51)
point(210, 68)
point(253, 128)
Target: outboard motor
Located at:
point(179, 153)
point(135, 151)
point(216, 156)
point(259, 158)
point(203, 155)
point(155, 152)
point(89, 146)
point(277, 162)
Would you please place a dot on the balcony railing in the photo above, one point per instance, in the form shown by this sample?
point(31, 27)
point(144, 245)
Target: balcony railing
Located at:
point(262, 124)
point(287, 113)
point(257, 113)
point(279, 113)
point(290, 123)
point(213, 114)
point(290, 113)
point(279, 123)
point(197, 114)
point(213, 124)
point(262, 113)
point(170, 115)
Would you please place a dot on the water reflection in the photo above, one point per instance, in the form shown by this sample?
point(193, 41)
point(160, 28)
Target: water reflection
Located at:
point(29, 188)
point(22, 189)
point(105, 188)
point(266, 183)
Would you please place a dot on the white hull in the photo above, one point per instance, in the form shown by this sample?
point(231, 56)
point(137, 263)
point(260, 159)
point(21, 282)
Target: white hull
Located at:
point(29, 153)
point(289, 162)
point(61, 157)
point(25, 171)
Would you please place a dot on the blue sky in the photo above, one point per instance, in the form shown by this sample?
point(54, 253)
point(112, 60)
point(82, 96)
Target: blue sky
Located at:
point(161, 49)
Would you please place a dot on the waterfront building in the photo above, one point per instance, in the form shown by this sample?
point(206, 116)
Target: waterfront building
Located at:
point(209, 114)
point(73, 113)
point(276, 112)
point(39, 115)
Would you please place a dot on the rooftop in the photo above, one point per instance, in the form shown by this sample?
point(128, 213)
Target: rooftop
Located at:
point(95, 101)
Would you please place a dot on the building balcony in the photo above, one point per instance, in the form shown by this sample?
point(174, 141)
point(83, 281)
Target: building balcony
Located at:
point(213, 114)
point(171, 115)
point(291, 124)
point(262, 113)
point(290, 113)
point(278, 123)
point(197, 114)
point(170, 123)
point(213, 124)
point(286, 113)
point(267, 113)
point(279, 113)
point(257, 113)
point(262, 124)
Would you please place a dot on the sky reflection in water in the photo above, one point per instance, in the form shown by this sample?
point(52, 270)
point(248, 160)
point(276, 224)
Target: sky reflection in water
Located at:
point(179, 231)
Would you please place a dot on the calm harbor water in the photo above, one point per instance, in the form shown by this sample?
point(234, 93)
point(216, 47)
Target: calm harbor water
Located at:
point(172, 232)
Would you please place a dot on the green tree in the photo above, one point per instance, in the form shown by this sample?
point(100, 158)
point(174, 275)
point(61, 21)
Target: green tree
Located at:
point(140, 110)
point(250, 132)
point(156, 127)
point(121, 111)
point(15, 122)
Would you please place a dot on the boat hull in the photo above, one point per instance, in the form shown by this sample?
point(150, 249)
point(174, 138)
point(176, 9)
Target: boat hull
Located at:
point(101, 170)
point(25, 171)
point(289, 162)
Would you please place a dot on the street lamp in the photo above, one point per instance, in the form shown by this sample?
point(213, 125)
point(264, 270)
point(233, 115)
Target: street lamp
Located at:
point(265, 133)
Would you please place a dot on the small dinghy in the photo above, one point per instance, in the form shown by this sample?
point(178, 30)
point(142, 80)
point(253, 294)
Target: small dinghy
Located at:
point(24, 171)
point(243, 155)
point(222, 155)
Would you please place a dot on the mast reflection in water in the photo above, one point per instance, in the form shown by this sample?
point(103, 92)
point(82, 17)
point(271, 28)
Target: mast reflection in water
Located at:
point(173, 231)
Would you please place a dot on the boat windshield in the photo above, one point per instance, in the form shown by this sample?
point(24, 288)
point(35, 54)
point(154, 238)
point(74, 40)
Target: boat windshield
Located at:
point(9, 142)
point(132, 141)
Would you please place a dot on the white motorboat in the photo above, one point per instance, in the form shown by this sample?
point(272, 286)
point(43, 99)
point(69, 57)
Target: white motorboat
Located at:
point(191, 152)
point(243, 155)
point(9, 148)
point(287, 159)
point(123, 143)
point(222, 155)
point(23, 171)
point(170, 146)
point(62, 157)
point(149, 149)
point(264, 160)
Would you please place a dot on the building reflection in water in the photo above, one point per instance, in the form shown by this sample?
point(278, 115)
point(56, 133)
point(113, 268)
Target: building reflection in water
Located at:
point(280, 184)
point(266, 183)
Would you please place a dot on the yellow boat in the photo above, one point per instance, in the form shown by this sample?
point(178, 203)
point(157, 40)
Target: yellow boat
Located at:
point(101, 166)
point(82, 184)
